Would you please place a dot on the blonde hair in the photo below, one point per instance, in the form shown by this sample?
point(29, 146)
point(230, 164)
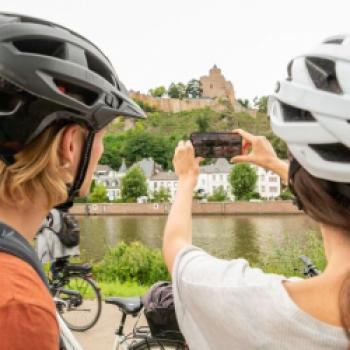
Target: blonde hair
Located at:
point(37, 169)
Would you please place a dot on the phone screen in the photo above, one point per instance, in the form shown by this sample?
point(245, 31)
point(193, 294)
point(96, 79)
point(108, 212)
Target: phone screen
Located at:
point(216, 144)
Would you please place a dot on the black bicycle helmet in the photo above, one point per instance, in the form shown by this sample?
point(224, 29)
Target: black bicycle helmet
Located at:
point(50, 74)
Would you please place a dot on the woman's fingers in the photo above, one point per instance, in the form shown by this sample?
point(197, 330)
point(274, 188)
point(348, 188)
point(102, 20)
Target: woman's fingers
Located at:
point(246, 135)
point(198, 160)
point(241, 159)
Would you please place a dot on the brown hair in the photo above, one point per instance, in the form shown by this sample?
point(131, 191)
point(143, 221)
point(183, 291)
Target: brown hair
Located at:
point(38, 168)
point(321, 201)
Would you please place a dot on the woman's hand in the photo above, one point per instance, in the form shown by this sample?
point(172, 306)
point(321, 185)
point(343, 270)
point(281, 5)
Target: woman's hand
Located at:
point(261, 154)
point(185, 164)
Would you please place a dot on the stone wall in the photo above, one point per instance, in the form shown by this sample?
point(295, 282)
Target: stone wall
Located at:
point(236, 208)
point(175, 105)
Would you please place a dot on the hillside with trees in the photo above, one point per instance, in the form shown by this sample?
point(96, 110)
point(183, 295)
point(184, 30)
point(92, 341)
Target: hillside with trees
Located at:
point(158, 135)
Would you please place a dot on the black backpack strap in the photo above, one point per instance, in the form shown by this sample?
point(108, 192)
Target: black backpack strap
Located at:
point(11, 242)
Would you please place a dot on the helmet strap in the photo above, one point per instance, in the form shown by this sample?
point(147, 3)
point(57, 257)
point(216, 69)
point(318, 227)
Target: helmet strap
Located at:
point(294, 167)
point(74, 189)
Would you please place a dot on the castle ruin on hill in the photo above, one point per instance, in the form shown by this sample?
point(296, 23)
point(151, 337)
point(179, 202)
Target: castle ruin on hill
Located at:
point(218, 94)
point(216, 86)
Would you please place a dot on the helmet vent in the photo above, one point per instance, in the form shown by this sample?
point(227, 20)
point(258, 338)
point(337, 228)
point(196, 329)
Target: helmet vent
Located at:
point(9, 103)
point(292, 114)
point(335, 41)
point(41, 47)
point(98, 67)
point(333, 152)
point(79, 93)
point(323, 74)
point(289, 70)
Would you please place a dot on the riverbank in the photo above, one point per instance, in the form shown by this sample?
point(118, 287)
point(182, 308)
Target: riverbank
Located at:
point(219, 208)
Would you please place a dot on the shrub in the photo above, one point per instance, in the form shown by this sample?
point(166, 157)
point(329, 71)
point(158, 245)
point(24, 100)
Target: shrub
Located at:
point(99, 194)
point(251, 195)
point(132, 263)
point(219, 195)
point(285, 260)
point(286, 195)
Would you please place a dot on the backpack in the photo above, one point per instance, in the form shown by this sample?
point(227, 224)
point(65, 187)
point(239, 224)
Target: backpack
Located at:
point(13, 243)
point(159, 310)
point(65, 226)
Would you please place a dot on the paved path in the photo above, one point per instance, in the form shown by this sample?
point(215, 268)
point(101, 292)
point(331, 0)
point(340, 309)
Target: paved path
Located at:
point(101, 336)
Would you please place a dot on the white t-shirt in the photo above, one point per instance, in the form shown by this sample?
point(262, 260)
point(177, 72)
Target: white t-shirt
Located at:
point(226, 304)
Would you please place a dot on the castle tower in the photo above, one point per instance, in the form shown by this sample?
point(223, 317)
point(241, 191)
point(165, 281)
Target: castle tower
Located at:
point(215, 85)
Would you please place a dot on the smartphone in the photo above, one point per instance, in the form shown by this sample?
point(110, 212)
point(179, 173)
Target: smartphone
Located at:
point(216, 144)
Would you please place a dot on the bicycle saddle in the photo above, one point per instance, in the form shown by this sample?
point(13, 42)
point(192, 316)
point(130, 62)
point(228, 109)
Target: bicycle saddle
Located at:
point(130, 306)
point(79, 268)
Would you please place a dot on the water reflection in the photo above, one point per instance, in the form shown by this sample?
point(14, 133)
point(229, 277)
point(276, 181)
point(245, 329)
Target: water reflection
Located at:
point(223, 236)
point(245, 243)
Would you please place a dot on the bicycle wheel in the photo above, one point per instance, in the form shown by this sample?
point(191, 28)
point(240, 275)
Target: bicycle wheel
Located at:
point(82, 303)
point(160, 344)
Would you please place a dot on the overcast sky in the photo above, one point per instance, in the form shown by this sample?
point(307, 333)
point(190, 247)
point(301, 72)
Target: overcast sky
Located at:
point(155, 42)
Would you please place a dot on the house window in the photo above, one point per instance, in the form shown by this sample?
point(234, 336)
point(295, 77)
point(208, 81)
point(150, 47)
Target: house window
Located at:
point(169, 184)
point(273, 189)
point(262, 188)
point(272, 179)
point(203, 182)
point(214, 177)
point(262, 177)
point(155, 184)
point(221, 177)
point(211, 86)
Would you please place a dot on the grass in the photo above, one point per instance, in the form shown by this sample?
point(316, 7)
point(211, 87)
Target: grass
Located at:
point(284, 258)
point(127, 289)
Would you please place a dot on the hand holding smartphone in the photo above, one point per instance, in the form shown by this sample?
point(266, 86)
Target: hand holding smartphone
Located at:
point(216, 144)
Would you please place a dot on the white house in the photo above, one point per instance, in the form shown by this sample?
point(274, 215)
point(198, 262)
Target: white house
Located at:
point(108, 177)
point(164, 179)
point(268, 184)
point(211, 177)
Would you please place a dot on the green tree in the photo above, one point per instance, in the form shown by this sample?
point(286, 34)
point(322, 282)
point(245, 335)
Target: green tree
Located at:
point(177, 90)
point(202, 122)
point(244, 102)
point(112, 154)
point(219, 195)
point(194, 89)
point(133, 185)
point(161, 196)
point(99, 194)
point(261, 103)
point(242, 179)
point(159, 91)
point(279, 145)
point(140, 144)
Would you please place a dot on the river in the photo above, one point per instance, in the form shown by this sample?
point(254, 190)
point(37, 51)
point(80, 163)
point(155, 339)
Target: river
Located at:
point(247, 236)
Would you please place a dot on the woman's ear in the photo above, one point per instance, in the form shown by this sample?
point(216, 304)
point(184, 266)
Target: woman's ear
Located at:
point(71, 146)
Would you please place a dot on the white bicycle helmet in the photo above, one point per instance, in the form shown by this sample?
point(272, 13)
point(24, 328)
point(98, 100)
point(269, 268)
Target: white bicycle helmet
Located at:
point(310, 110)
